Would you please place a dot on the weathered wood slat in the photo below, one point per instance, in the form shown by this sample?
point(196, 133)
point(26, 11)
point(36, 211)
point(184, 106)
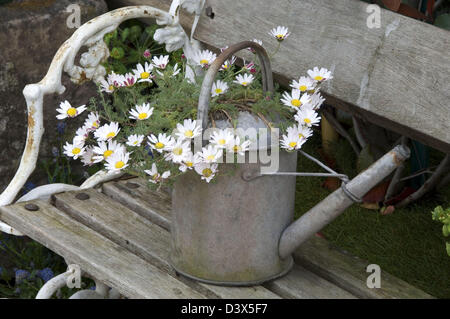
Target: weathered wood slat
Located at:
point(349, 272)
point(140, 236)
point(316, 255)
point(395, 76)
point(98, 256)
point(299, 283)
point(302, 284)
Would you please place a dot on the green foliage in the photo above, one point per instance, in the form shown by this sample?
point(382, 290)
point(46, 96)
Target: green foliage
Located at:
point(443, 215)
point(127, 45)
point(443, 21)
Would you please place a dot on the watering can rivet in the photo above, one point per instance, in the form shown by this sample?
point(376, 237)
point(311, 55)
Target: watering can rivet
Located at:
point(82, 196)
point(32, 207)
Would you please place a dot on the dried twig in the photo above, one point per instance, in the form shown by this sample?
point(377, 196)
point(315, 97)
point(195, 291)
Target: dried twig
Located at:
point(430, 184)
point(338, 127)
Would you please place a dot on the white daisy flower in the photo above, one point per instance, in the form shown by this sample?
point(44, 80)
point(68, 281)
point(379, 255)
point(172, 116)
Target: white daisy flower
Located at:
point(320, 75)
point(303, 132)
point(316, 100)
point(294, 100)
point(244, 80)
point(66, 110)
point(135, 140)
point(92, 122)
point(87, 157)
point(204, 58)
point(112, 82)
point(104, 150)
point(175, 70)
point(239, 146)
point(222, 138)
point(155, 177)
point(161, 61)
point(256, 41)
point(304, 84)
point(179, 150)
point(82, 134)
point(280, 33)
point(189, 162)
point(107, 131)
point(75, 150)
point(210, 154)
point(161, 143)
point(307, 116)
point(128, 79)
point(118, 161)
point(206, 170)
point(292, 141)
point(144, 72)
point(218, 88)
point(189, 129)
point(141, 112)
point(228, 63)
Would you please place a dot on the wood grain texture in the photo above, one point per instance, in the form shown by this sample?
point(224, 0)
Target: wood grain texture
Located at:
point(297, 284)
point(349, 272)
point(140, 236)
point(107, 261)
point(395, 76)
point(316, 255)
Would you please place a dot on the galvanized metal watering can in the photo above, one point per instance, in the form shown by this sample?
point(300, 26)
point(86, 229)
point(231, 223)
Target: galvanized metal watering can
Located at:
point(239, 231)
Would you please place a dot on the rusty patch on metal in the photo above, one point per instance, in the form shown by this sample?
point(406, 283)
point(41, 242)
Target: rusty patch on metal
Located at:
point(31, 124)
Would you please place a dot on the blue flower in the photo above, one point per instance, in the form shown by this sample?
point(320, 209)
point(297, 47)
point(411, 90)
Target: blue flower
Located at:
point(149, 150)
point(92, 287)
point(29, 186)
point(20, 275)
point(61, 127)
point(45, 274)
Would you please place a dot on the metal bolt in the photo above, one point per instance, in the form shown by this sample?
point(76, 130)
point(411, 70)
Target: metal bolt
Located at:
point(209, 12)
point(82, 196)
point(31, 207)
point(132, 185)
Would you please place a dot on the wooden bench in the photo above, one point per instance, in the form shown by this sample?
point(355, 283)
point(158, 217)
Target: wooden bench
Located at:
point(120, 236)
point(394, 76)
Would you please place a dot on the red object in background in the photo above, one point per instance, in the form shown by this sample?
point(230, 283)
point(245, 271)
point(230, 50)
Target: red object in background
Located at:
point(405, 193)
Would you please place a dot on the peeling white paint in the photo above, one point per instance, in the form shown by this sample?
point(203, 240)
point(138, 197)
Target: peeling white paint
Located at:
point(392, 27)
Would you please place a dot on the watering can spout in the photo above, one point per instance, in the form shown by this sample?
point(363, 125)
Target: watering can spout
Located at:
point(333, 205)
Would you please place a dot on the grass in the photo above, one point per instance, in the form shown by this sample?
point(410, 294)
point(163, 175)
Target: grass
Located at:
point(407, 244)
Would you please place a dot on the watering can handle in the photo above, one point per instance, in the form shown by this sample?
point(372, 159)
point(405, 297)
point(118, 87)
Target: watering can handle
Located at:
point(205, 93)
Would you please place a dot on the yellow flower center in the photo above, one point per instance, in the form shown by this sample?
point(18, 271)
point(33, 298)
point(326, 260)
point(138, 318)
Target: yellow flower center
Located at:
point(207, 172)
point(95, 124)
point(279, 36)
point(293, 144)
point(296, 102)
point(135, 142)
point(188, 133)
point(307, 121)
point(189, 164)
point(318, 78)
point(111, 134)
point(76, 150)
point(145, 75)
point(303, 88)
point(72, 112)
point(218, 91)
point(142, 116)
point(204, 61)
point(111, 87)
point(119, 164)
point(244, 83)
point(236, 148)
point(300, 135)
point(159, 145)
point(177, 151)
point(210, 157)
point(155, 176)
point(221, 141)
point(107, 153)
